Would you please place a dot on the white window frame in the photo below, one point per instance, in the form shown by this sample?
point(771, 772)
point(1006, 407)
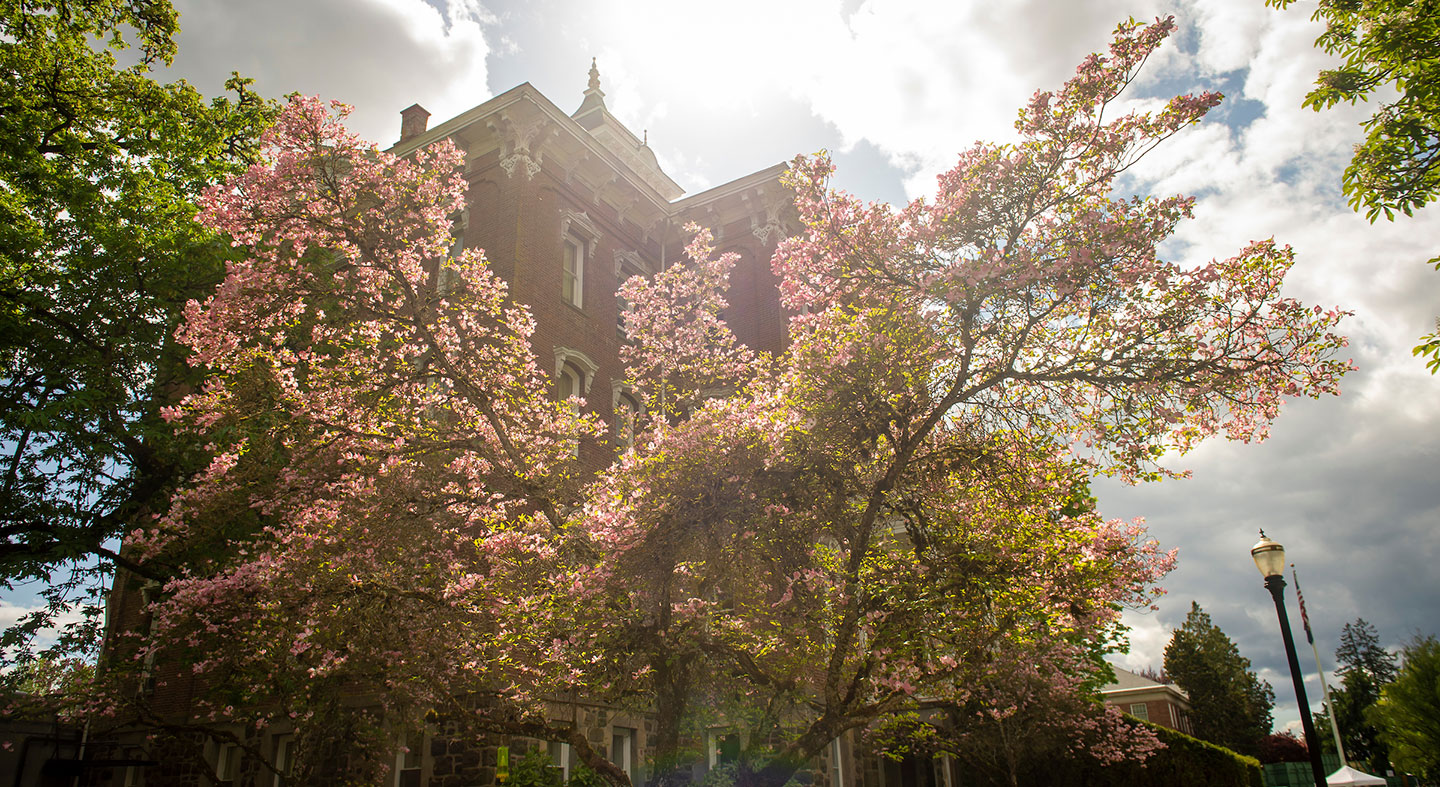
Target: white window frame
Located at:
point(569, 376)
point(627, 264)
point(587, 368)
point(945, 764)
point(576, 231)
point(417, 752)
point(620, 393)
point(561, 751)
point(627, 749)
point(837, 763)
point(1143, 713)
point(227, 761)
point(713, 737)
point(572, 271)
point(282, 754)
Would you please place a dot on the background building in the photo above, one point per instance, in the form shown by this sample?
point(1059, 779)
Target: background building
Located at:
point(1143, 698)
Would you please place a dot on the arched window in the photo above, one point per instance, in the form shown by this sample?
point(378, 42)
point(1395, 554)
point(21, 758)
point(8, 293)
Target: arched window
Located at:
point(569, 382)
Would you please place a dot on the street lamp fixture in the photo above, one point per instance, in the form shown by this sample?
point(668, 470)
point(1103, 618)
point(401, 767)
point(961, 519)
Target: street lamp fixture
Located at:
point(1270, 559)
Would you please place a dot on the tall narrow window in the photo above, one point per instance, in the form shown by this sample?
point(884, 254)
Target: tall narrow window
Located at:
point(837, 764)
point(579, 238)
point(622, 750)
point(284, 759)
point(626, 412)
point(409, 760)
point(572, 273)
point(560, 759)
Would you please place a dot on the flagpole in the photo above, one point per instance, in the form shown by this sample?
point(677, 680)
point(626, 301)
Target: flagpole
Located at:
point(1329, 706)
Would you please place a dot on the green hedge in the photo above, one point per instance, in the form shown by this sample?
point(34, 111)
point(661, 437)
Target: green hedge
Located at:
point(1184, 762)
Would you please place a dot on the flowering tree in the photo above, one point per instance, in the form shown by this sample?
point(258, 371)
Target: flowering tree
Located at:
point(389, 469)
point(876, 522)
point(894, 507)
point(1020, 721)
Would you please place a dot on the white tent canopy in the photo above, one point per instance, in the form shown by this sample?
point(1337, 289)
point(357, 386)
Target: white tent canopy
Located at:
point(1348, 775)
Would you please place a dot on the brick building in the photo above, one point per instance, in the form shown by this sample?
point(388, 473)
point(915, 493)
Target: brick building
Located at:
point(1158, 703)
point(566, 206)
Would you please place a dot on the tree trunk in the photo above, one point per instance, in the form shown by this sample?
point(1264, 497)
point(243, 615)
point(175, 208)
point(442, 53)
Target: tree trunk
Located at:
point(672, 697)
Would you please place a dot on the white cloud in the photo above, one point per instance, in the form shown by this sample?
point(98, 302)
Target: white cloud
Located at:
point(11, 613)
point(378, 55)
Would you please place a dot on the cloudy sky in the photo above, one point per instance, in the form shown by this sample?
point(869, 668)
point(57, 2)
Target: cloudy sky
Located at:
point(896, 88)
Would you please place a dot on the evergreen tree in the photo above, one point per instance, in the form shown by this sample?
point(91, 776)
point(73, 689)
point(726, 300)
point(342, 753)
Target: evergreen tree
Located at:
point(1360, 650)
point(1229, 705)
point(1365, 669)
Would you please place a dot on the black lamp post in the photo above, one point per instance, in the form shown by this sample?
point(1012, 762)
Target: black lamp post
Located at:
point(1270, 559)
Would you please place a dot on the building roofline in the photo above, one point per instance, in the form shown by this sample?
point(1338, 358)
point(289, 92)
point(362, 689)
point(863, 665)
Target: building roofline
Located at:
point(1162, 688)
point(737, 185)
point(524, 91)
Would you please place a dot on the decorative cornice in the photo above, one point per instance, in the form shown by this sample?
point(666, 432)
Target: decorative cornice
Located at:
point(521, 143)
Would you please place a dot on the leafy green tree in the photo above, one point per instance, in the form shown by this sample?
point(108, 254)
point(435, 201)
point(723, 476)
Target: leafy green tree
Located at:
point(1387, 44)
point(99, 251)
point(1408, 713)
point(1229, 705)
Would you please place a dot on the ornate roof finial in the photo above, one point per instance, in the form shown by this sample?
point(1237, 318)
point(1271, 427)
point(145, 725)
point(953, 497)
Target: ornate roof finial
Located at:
point(594, 79)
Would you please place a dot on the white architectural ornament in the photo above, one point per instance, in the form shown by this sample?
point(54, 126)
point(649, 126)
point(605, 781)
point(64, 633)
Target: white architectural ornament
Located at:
point(625, 257)
point(521, 143)
point(578, 224)
point(579, 360)
point(771, 206)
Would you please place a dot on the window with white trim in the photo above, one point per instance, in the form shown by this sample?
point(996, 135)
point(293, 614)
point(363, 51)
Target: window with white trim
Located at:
point(622, 750)
point(283, 758)
point(1140, 711)
point(722, 745)
point(560, 758)
point(578, 239)
point(837, 763)
point(409, 761)
point(574, 372)
point(227, 763)
point(627, 413)
point(569, 382)
point(572, 272)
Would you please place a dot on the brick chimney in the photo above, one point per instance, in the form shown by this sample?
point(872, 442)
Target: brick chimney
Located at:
point(412, 121)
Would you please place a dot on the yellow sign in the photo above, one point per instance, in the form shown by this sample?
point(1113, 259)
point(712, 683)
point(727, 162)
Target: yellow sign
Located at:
point(502, 764)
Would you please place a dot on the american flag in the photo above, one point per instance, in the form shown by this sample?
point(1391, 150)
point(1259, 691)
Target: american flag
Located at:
point(1304, 618)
